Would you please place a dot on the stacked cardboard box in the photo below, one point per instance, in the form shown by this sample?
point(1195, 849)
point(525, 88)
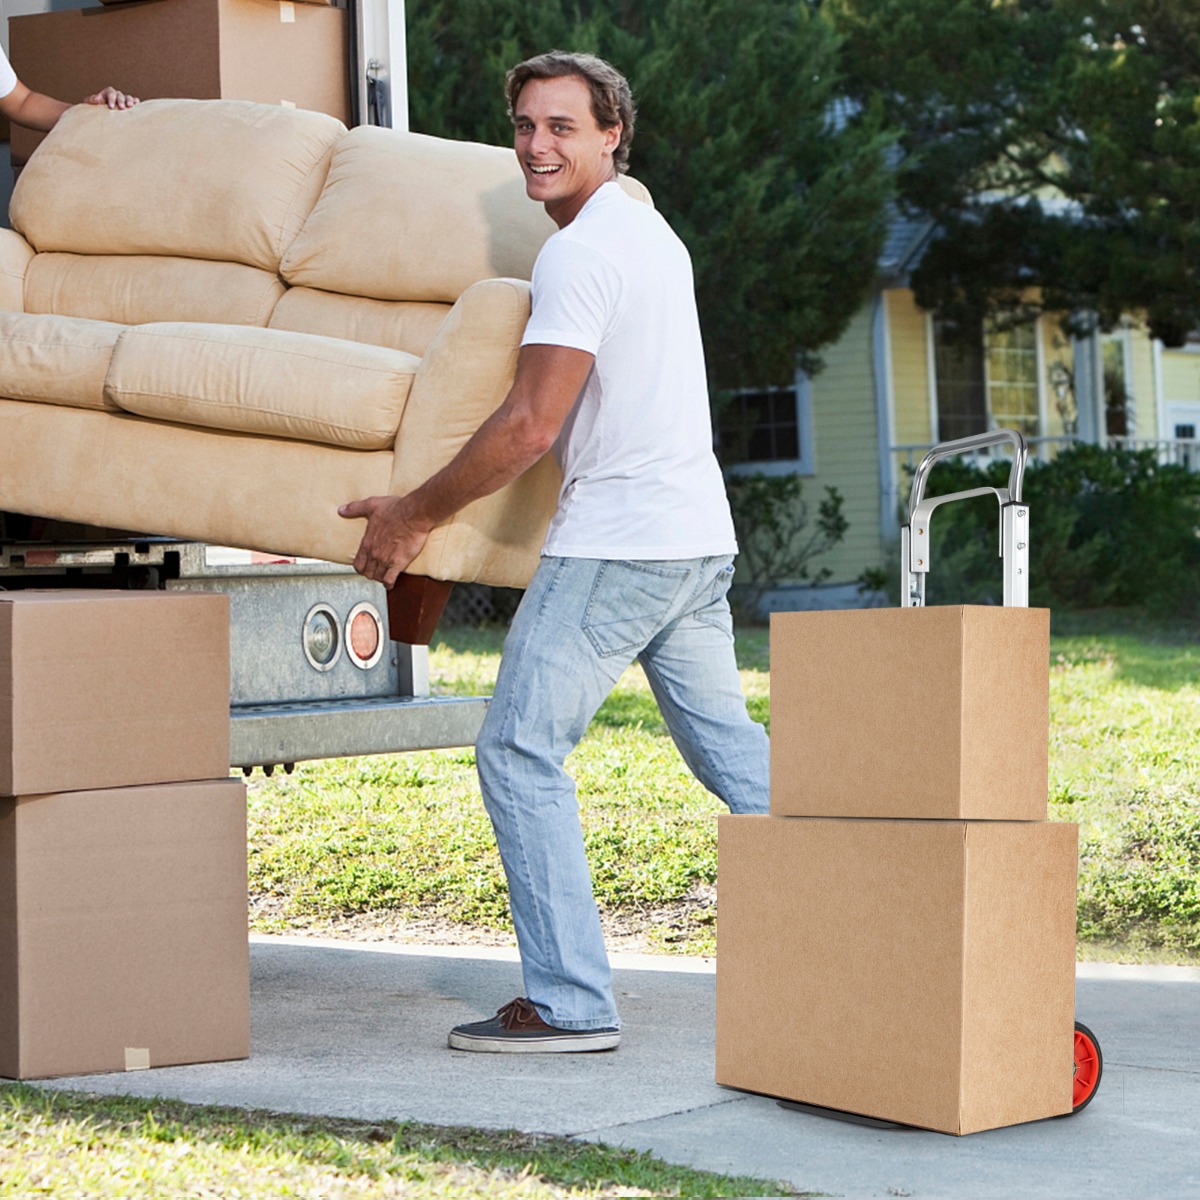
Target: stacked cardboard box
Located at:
point(122, 837)
point(271, 51)
point(897, 939)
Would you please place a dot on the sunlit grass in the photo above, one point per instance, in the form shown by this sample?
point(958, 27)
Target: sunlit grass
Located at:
point(64, 1144)
point(407, 835)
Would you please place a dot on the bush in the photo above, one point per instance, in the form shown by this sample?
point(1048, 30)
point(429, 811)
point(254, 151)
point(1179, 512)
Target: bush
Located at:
point(776, 542)
point(1108, 528)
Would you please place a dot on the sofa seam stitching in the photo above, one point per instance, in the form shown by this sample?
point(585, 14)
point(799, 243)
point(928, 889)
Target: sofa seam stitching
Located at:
point(143, 332)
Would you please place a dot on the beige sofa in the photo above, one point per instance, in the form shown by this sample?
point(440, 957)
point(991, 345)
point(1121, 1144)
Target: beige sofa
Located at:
point(220, 320)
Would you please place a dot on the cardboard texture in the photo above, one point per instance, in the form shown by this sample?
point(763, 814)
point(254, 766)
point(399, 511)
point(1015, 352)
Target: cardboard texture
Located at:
point(266, 50)
point(106, 689)
point(123, 939)
point(920, 972)
point(937, 713)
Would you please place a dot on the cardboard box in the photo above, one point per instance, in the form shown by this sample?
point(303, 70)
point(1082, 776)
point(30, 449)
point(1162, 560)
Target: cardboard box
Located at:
point(265, 50)
point(123, 939)
point(104, 689)
point(939, 713)
point(921, 972)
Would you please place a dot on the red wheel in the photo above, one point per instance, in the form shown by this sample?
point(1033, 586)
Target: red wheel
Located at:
point(1089, 1066)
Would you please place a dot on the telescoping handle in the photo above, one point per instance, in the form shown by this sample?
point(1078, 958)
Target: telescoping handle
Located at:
point(1014, 519)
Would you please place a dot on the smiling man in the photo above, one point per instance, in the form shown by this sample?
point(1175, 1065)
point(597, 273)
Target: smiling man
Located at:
point(638, 557)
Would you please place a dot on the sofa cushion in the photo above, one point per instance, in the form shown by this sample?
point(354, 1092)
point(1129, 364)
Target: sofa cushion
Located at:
point(59, 360)
point(221, 179)
point(137, 288)
point(263, 381)
point(401, 324)
point(409, 217)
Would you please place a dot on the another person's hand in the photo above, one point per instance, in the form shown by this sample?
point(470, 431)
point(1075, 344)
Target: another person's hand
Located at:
point(113, 98)
point(391, 541)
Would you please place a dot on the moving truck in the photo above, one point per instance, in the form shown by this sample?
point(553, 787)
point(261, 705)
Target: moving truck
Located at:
point(314, 673)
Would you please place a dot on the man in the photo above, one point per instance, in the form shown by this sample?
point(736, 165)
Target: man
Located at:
point(36, 111)
point(638, 557)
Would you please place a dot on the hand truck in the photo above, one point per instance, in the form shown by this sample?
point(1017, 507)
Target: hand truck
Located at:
point(1087, 1062)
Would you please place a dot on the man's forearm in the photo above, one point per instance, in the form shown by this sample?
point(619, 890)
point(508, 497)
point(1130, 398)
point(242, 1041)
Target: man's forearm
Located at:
point(506, 445)
point(35, 111)
point(509, 442)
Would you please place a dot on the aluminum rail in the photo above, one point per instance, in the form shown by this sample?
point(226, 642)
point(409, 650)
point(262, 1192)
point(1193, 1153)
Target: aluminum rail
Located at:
point(1014, 518)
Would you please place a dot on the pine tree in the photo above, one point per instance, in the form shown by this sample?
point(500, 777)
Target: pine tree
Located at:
point(778, 187)
point(1055, 142)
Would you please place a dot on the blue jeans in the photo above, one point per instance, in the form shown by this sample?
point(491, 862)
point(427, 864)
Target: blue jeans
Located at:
point(580, 624)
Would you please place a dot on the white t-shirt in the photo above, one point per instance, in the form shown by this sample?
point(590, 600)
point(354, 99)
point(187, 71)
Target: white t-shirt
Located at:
point(640, 480)
point(8, 77)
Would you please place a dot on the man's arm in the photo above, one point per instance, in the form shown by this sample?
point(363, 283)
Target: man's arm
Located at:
point(36, 111)
point(548, 382)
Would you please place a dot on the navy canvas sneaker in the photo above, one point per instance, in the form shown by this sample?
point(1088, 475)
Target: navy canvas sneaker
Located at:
point(519, 1029)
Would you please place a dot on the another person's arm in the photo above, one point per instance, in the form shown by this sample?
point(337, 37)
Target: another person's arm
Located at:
point(509, 442)
point(37, 111)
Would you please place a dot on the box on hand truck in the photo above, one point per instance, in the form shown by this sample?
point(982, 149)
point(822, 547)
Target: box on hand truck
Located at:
point(897, 939)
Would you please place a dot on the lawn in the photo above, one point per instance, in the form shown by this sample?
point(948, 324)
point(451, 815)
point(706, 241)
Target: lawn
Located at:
point(108, 1148)
point(400, 846)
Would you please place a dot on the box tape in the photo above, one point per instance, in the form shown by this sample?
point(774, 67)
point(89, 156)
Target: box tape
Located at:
point(137, 1058)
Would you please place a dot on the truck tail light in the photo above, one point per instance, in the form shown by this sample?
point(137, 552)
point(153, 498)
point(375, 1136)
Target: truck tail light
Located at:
point(364, 635)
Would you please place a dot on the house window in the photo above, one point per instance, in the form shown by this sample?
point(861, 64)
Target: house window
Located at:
point(985, 380)
point(961, 394)
point(1118, 395)
point(1012, 378)
point(767, 426)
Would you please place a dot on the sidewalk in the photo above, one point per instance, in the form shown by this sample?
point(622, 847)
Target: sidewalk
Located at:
point(358, 1030)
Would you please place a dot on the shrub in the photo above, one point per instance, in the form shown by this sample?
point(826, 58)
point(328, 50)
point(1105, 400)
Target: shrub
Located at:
point(776, 540)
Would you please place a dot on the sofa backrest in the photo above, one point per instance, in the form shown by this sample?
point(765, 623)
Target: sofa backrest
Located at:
point(225, 180)
point(241, 213)
point(404, 225)
point(404, 216)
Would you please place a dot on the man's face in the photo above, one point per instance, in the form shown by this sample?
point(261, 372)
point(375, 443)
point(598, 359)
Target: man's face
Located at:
point(564, 153)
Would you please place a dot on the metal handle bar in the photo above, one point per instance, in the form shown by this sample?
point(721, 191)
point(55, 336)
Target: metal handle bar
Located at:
point(1014, 519)
point(977, 441)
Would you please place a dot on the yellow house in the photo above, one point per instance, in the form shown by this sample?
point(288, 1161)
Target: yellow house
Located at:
point(898, 381)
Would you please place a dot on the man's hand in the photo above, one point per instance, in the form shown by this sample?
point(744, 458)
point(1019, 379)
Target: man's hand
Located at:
point(511, 440)
point(392, 539)
point(113, 98)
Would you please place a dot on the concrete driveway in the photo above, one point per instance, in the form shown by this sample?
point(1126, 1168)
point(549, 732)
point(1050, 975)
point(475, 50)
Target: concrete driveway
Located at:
point(359, 1030)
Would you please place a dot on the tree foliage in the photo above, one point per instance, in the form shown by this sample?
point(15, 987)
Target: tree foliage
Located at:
point(1055, 142)
point(777, 541)
point(778, 190)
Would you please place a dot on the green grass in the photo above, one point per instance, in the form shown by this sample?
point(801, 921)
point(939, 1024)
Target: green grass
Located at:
point(407, 837)
point(64, 1144)
point(1125, 714)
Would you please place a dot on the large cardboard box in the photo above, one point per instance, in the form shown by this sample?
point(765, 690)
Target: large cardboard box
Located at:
point(266, 50)
point(123, 940)
point(921, 972)
point(103, 689)
point(939, 713)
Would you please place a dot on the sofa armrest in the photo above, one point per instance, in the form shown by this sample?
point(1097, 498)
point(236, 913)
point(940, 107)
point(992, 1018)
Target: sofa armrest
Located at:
point(463, 378)
point(464, 375)
point(15, 256)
